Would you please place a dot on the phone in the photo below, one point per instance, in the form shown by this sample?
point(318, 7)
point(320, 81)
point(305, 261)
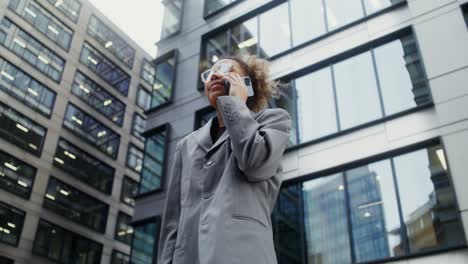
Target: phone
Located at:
point(247, 82)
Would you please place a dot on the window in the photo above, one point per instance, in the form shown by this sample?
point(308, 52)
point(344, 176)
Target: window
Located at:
point(164, 81)
point(90, 130)
point(204, 115)
point(138, 126)
point(214, 6)
point(119, 258)
point(75, 205)
point(70, 8)
point(63, 246)
point(154, 159)
point(30, 50)
point(111, 41)
point(123, 231)
point(43, 21)
point(134, 158)
point(394, 207)
point(98, 98)
point(84, 166)
point(11, 224)
point(105, 68)
point(147, 72)
point(21, 131)
point(145, 241)
point(129, 191)
point(172, 18)
point(143, 99)
point(25, 89)
point(381, 81)
point(5, 260)
point(16, 176)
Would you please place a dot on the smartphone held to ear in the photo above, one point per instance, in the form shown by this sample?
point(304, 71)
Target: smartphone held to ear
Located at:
point(247, 82)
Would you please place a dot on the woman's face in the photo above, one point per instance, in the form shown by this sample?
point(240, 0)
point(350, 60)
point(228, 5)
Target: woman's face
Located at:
point(214, 87)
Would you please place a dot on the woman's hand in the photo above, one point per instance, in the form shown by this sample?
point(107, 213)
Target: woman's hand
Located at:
point(237, 85)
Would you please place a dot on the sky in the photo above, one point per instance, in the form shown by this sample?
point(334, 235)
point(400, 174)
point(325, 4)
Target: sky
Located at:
point(139, 19)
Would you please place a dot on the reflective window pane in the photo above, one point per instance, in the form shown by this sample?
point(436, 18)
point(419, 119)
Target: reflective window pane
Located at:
point(134, 158)
point(89, 129)
point(119, 258)
point(164, 82)
point(61, 245)
point(373, 6)
point(24, 88)
point(75, 205)
point(42, 20)
point(340, 13)
point(172, 18)
point(123, 231)
point(143, 98)
point(70, 8)
point(215, 48)
point(16, 176)
point(98, 98)
point(145, 241)
point(21, 131)
point(153, 163)
point(105, 69)
point(111, 41)
point(212, 6)
point(138, 126)
point(310, 13)
point(357, 93)
point(244, 38)
point(147, 72)
point(84, 166)
point(275, 34)
point(11, 224)
point(129, 190)
point(31, 51)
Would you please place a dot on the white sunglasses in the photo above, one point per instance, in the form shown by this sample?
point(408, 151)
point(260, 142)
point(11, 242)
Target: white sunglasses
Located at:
point(222, 68)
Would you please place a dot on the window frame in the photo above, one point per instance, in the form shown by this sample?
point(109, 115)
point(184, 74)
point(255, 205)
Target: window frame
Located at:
point(199, 113)
point(133, 131)
point(116, 228)
point(114, 252)
point(140, 89)
point(154, 219)
point(33, 179)
point(180, 24)
point(218, 11)
point(126, 177)
point(75, 20)
point(20, 227)
point(127, 165)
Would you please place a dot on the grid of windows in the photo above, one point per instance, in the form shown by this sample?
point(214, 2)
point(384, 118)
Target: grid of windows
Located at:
point(11, 223)
point(43, 21)
point(119, 258)
point(70, 8)
point(24, 88)
point(30, 50)
point(143, 98)
point(21, 131)
point(387, 208)
point(98, 98)
point(90, 130)
point(147, 72)
point(129, 191)
point(138, 126)
point(63, 246)
point(16, 176)
point(164, 81)
point(84, 166)
point(154, 159)
point(172, 18)
point(75, 205)
point(123, 231)
point(145, 241)
point(111, 41)
point(105, 68)
point(134, 158)
point(382, 81)
point(213, 6)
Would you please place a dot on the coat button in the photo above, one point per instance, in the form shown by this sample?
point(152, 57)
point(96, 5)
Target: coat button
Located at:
point(209, 163)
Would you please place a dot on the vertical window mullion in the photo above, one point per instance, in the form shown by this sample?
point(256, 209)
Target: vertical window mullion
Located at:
point(290, 25)
point(338, 126)
point(325, 15)
point(363, 8)
point(377, 80)
point(348, 217)
point(302, 225)
point(294, 99)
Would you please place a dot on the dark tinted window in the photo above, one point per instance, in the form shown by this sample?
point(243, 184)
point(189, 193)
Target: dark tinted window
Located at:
point(16, 176)
point(119, 258)
point(164, 80)
point(123, 231)
point(11, 224)
point(145, 242)
point(129, 190)
point(138, 126)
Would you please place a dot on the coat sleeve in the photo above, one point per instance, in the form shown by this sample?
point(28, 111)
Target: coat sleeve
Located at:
point(258, 144)
point(171, 212)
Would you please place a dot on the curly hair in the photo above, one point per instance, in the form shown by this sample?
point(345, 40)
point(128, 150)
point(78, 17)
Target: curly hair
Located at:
point(264, 87)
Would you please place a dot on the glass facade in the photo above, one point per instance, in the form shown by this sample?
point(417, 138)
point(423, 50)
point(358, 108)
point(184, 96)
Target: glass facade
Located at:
point(138, 126)
point(111, 41)
point(147, 72)
point(164, 80)
point(84, 166)
point(63, 246)
point(134, 158)
point(212, 6)
point(123, 231)
point(92, 131)
point(154, 160)
point(75, 205)
point(172, 18)
point(30, 50)
point(11, 224)
point(105, 68)
point(43, 21)
point(16, 176)
point(129, 191)
point(98, 98)
point(25, 89)
point(119, 258)
point(145, 241)
point(398, 206)
point(21, 131)
point(143, 98)
point(70, 8)
point(383, 81)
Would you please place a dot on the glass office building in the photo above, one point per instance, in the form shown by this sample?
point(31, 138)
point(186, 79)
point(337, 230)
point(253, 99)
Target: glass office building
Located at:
point(70, 117)
point(375, 170)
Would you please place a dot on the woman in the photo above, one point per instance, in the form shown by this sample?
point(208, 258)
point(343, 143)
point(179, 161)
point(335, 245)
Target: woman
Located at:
point(225, 176)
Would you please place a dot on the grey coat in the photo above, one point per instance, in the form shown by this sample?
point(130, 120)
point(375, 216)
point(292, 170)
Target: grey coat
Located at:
point(220, 196)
